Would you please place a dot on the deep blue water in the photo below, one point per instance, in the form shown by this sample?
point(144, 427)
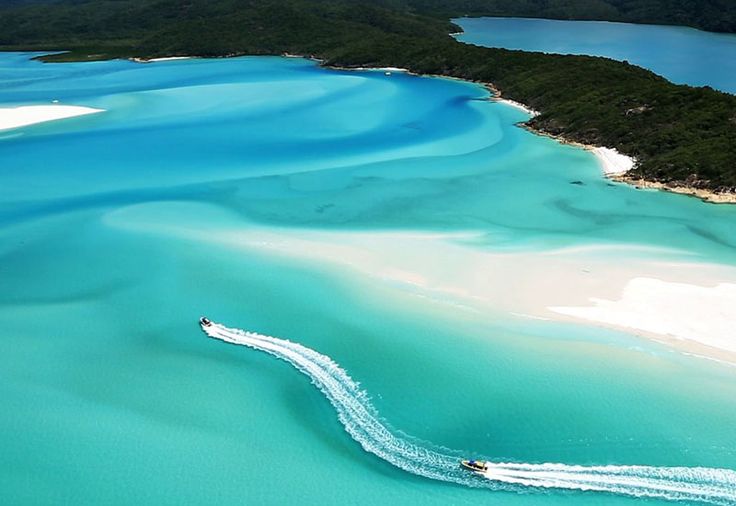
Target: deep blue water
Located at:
point(682, 55)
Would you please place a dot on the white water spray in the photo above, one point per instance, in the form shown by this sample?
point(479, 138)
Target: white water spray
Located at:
point(361, 421)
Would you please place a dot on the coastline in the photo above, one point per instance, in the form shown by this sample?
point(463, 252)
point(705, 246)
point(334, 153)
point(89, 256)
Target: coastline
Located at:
point(517, 105)
point(704, 195)
point(614, 164)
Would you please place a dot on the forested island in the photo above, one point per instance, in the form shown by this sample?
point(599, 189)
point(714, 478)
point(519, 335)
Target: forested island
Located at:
point(680, 135)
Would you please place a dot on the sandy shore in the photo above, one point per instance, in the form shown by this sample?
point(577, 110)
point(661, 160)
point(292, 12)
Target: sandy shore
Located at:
point(517, 105)
point(383, 69)
point(616, 165)
point(612, 162)
point(15, 117)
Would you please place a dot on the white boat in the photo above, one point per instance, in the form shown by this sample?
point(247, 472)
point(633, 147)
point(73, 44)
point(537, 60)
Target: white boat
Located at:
point(477, 466)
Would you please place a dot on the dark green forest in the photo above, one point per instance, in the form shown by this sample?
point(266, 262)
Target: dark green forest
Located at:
point(679, 134)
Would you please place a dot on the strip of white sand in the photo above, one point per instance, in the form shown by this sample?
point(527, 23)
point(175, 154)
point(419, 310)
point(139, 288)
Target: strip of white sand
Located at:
point(612, 162)
point(518, 105)
point(694, 310)
point(170, 58)
point(380, 69)
point(706, 314)
point(15, 117)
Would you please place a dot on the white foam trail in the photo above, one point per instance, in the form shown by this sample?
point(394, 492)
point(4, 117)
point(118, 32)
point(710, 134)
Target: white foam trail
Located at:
point(361, 421)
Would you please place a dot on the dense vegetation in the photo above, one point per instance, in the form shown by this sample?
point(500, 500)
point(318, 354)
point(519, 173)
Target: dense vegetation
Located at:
point(680, 134)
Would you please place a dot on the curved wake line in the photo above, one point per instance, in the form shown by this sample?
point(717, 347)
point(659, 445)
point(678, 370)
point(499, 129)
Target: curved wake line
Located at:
point(362, 422)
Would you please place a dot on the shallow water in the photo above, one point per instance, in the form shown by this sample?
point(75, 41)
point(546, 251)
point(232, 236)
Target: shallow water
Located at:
point(196, 192)
point(682, 55)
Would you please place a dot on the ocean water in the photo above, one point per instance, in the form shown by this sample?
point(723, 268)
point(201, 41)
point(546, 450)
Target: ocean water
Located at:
point(682, 55)
point(255, 191)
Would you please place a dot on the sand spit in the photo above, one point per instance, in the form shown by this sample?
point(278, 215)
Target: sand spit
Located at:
point(683, 311)
point(15, 117)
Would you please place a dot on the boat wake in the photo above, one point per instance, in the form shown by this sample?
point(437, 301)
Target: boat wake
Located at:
point(362, 422)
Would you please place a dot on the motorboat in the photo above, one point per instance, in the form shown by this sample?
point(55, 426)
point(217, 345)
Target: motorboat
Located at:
point(477, 466)
point(204, 322)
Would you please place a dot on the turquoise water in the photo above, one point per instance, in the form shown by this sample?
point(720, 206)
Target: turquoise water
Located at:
point(682, 55)
point(120, 229)
point(364, 424)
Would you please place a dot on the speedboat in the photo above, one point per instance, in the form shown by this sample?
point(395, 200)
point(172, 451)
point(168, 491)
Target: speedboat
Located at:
point(477, 466)
point(205, 322)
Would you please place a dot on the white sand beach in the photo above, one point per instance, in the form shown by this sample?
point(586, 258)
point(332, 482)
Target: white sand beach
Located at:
point(15, 117)
point(517, 105)
point(612, 162)
point(170, 58)
point(163, 58)
point(684, 305)
point(380, 69)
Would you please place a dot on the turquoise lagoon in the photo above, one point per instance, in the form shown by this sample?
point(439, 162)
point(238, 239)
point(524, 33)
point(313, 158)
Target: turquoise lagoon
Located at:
point(682, 55)
point(246, 189)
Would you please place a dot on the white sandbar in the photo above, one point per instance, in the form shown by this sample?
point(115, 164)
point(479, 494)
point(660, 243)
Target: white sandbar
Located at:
point(15, 117)
point(690, 306)
point(706, 314)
